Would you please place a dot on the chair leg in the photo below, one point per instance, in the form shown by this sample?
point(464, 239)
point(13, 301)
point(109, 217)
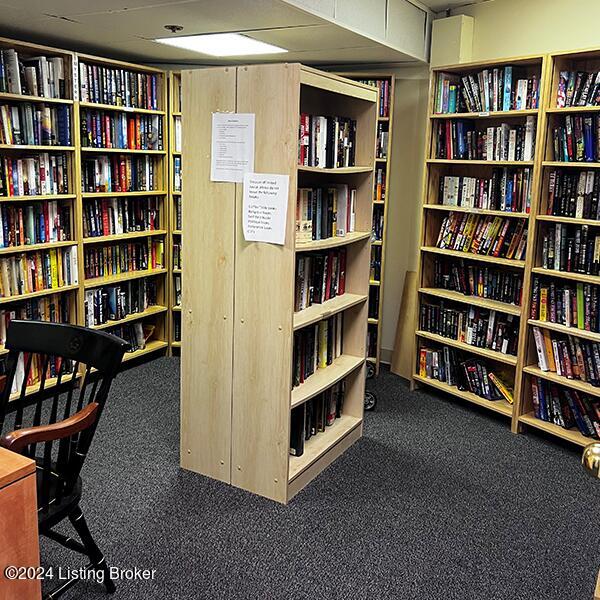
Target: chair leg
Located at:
point(96, 557)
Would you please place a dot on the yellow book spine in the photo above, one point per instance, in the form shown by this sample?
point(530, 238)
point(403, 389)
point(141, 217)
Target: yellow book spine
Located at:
point(53, 268)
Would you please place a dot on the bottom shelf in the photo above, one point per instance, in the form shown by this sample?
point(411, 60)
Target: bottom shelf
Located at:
point(499, 406)
point(151, 346)
point(320, 444)
point(571, 435)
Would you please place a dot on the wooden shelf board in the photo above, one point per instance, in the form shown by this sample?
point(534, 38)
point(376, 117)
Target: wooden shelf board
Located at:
point(176, 344)
point(575, 384)
point(476, 211)
point(509, 262)
point(321, 443)
point(374, 282)
point(499, 406)
point(330, 82)
point(573, 109)
point(27, 98)
point(151, 346)
point(576, 165)
point(377, 243)
point(371, 359)
point(39, 294)
point(333, 242)
point(98, 106)
point(380, 159)
point(177, 231)
point(50, 383)
point(383, 119)
point(336, 171)
point(571, 435)
point(37, 198)
point(176, 308)
point(372, 321)
point(122, 194)
point(593, 279)
point(176, 271)
point(111, 279)
point(569, 220)
point(124, 236)
point(87, 149)
point(379, 202)
point(323, 379)
point(37, 148)
point(508, 359)
point(33, 247)
point(318, 312)
point(492, 163)
point(510, 309)
point(151, 310)
point(492, 114)
point(574, 331)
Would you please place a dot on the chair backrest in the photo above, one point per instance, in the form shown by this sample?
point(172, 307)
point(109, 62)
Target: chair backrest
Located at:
point(57, 373)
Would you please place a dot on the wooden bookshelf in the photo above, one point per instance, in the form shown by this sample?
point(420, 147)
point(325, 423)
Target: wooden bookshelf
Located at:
point(175, 198)
point(385, 120)
point(103, 203)
point(237, 391)
point(525, 414)
point(434, 211)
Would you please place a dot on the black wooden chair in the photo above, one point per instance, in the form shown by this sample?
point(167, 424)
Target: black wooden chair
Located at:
point(55, 424)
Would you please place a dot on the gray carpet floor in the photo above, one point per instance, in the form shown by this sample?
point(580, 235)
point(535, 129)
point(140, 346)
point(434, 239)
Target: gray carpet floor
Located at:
point(438, 501)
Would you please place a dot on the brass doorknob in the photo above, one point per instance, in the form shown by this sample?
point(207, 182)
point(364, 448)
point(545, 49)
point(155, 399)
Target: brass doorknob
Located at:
point(591, 459)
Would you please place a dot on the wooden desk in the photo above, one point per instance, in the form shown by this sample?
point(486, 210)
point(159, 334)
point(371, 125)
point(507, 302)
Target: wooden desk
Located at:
point(19, 543)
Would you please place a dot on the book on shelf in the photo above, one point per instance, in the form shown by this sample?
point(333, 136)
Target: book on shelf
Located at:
point(574, 195)
point(320, 276)
point(500, 285)
point(375, 270)
point(42, 76)
point(314, 416)
point(118, 86)
point(565, 407)
point(578, 88)
point(494, 89)
point(475, 326)
point(135, 334)
point(457, 369)
point(507, 189)
point(41, 174)
point(568, 356)
point(120, 173)
point(36, 223)
point(114, 259)
point(383, 134)
point(177, 287)
point(35, 124)
point(372, 341)
point(115, 302)
point(378, 224)
point(380, 184)
point(177, 173)
point(316, 347)
point(484, 235)
point(29, 272)
point(373, 308)
point(571, 248)
point(177, 255)
point(107, 129)
point(576, 138)
point(177, 133)
point(176, 327)
point(177, 201)
point(116, 216)
point(572, 305)
point(323, 213)
point(326, 142)
point(384, 87)
point(461, 140)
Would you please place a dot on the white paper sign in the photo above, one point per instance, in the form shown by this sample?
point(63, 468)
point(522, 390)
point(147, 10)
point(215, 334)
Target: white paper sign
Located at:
point(265, 207)
point(232, 147)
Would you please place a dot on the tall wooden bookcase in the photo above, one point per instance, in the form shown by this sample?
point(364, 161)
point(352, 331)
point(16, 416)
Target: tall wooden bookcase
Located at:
point(381, 200)
point(433, 212)
point(155, 316)
point(578, 61)
point(238, 321)
point(174, 207)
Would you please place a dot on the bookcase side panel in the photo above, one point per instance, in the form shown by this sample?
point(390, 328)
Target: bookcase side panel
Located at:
point(208, 222)
point(264, 289)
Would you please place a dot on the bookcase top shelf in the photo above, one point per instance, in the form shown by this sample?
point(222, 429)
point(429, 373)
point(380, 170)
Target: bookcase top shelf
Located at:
point(330, 82)
point(109, 62)
point(535, 59)
point(35, 49)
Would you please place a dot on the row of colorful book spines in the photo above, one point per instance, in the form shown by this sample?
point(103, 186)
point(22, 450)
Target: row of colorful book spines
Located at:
point(139, 132)
point(384, 87)
point(42, 174)
point(108, 221)
point(571, 148)
point(578, 88)
point(27, 124)
point(34, 224)
point(112, 303)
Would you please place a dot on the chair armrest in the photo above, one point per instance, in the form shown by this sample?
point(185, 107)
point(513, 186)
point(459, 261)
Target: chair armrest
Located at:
point(20, 438)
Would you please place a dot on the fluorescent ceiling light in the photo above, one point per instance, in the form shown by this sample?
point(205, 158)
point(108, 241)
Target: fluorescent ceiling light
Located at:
point(221, 44)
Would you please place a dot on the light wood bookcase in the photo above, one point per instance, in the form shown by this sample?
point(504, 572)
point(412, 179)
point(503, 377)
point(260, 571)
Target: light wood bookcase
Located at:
point(155, 315)
point(175, 197)
point(433, 213)
point(583, 60)
point(238, 321)
point(380, 207)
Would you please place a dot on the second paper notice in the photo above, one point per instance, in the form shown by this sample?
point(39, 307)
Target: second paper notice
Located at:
point(265, 207)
